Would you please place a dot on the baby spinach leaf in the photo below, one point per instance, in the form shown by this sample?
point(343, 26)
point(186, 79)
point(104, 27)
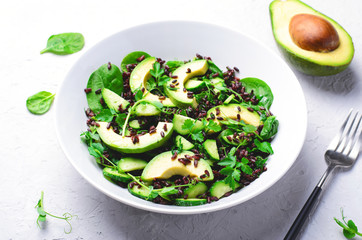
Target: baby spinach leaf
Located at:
point(261, 90)
point(214, 69)
point(174, 64)
point(106, 76)
point(40, 102)
point(270, 128)
point(64, 43)
point(131, 58)
point(105, 115)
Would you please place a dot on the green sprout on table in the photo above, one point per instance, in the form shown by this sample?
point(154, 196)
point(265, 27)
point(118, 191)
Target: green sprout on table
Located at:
point(42, 214)
point(349, 228)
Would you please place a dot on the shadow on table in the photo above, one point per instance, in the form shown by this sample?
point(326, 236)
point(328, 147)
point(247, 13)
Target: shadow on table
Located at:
point(266, 216)
point(341, 83)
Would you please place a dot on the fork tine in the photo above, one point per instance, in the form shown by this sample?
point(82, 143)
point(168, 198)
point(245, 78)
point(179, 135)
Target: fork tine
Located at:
point(349, 135)
point(337, 140)
point(355, 139)
point(357, 147)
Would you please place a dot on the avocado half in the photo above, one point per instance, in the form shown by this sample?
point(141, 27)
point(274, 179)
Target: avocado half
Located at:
point(313, 62)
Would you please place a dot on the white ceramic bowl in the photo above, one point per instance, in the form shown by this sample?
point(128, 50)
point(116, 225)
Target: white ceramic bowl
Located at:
point(182, 40)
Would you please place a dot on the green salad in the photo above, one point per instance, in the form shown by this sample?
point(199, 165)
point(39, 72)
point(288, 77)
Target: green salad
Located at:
point(183, 133)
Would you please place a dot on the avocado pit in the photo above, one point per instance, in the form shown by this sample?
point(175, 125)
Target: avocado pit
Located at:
point(313, 33)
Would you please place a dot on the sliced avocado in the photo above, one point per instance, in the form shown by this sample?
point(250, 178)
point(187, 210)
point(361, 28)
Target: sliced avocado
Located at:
point(146, 109)
point(231, 111)
point(312, 42)
point(139, 77)
point(135, 124)
point(113, 100)
point(219, 188)
point(194, 84)
point(125, 144)
point(211, 148)
point(163, 167)
point(190, 201)
point(186, 145)
point(128, 164)
point(177, 94)
point(179, 120)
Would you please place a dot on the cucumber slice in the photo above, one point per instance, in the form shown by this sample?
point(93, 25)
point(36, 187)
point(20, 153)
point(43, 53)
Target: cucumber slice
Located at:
point(186, 145)
point(131, 164)
point(179, 120)
point(140, 192)
point(211, 148)
point(219, 188)
point(146, 109)
point(113, 100)
point(217, 82)
point(116, 175)
point(195, 190)
point(194, 84)
point(189, 201)
point(135, 124)
point(229, 99)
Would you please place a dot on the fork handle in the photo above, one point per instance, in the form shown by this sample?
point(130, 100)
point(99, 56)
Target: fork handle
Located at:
point(303, 214)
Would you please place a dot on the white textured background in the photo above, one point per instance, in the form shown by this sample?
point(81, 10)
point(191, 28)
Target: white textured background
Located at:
point(31, 159)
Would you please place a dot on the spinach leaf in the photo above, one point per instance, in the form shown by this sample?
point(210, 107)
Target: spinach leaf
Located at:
point(64, 43)
point(270, 128)
point(40, 102)
point(131, 58)
point(214, 69)
point(174, 64)
point(261, 90)
point(107, 76)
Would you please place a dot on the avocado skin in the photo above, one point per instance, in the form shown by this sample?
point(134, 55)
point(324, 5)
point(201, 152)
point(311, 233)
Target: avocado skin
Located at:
point(310, 68)
point(305, 65)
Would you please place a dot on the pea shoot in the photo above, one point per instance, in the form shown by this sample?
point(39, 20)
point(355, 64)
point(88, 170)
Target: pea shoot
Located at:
point(42, 214)
point(350, 229)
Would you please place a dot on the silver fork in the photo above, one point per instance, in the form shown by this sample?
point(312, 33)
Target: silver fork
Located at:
point(342, 152)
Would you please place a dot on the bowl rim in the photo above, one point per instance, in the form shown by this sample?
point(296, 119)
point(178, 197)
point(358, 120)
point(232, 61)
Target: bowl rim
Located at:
point(178, 210)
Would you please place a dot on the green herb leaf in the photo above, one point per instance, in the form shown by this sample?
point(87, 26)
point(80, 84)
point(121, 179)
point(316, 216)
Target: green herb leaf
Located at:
point(260, 162)
point(40, 102)
point(64, 43)
point(131, 58)
point(236, 174)
point(174, 64)
point(139, 95)
point(163, 80)
point(120, 119)
point(263, 146)
point(105, 115)
point(198, 136)
point(227, 170)
point(188, 124)
point(157, 71)
point(231, 181)
point(213, 126)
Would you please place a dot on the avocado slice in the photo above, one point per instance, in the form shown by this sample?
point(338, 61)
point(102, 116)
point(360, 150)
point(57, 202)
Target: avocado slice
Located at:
point(231, 111)
point(312, 42)
point(163, 167)
point(113, 100)
point(175, 90)
point(125, 144)
point(139, 77)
